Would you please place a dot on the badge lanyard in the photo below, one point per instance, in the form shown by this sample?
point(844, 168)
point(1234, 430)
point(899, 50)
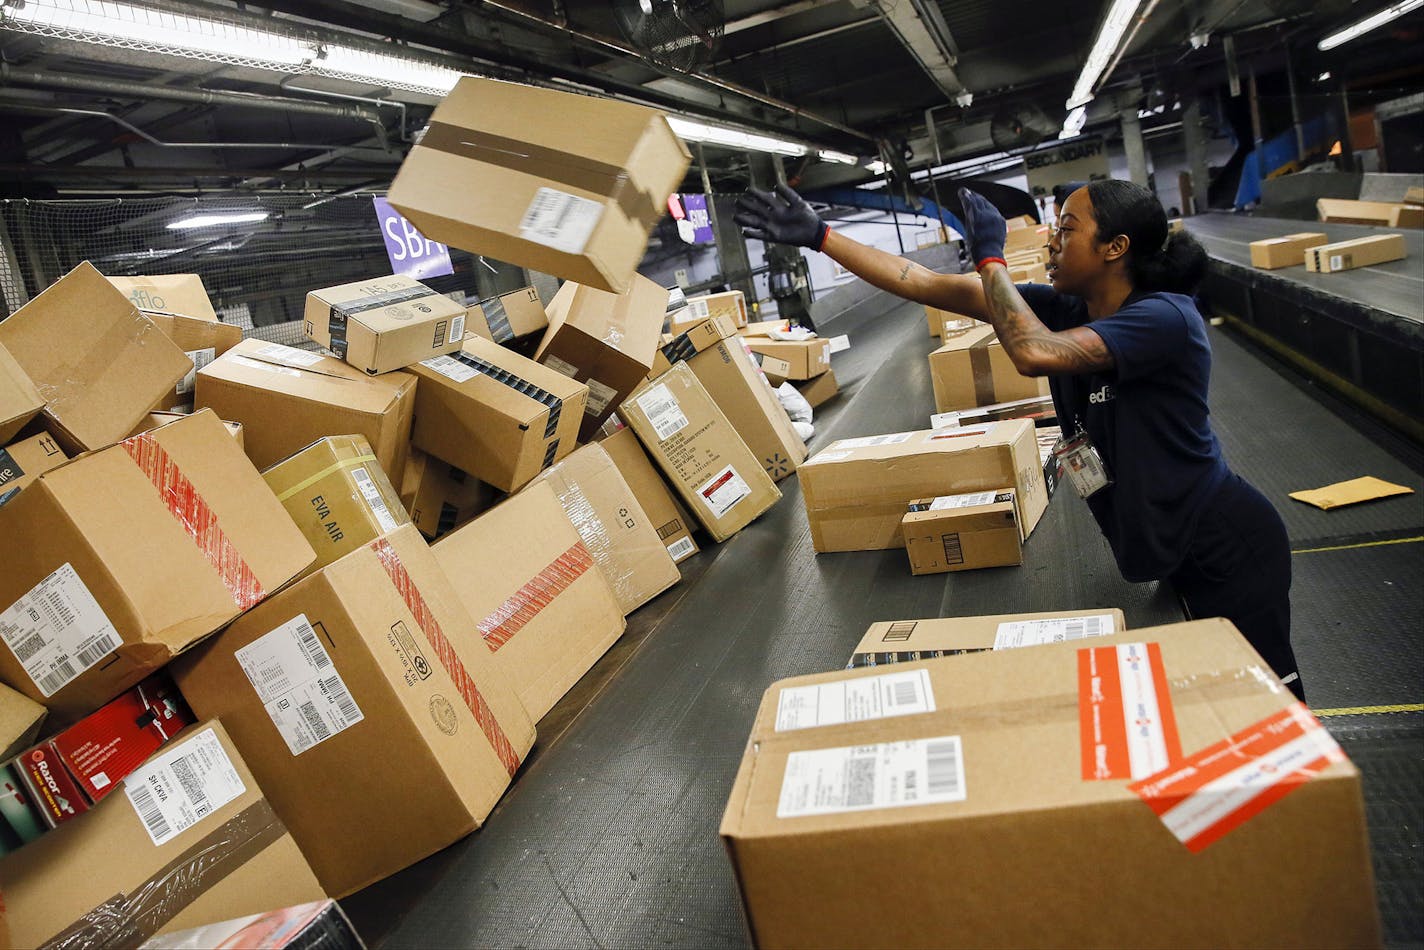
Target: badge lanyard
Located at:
point(1079, 458)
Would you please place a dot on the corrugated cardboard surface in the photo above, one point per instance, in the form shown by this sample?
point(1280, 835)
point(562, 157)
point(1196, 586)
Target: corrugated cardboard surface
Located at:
point(439, 497)
point(1359, 252)
point(1285, 251)
point(155, 419)
point(198, 338)
point(972, 369)
point(169, 293)
point(20, 719)
point(1027, 239)
point(958, 634)
point(667, 515)
point(24, 461)
point(20, 401)
point(820, 390)
point(1034, 855)
point(805, 358)
point(380, 325)
point(962, 539)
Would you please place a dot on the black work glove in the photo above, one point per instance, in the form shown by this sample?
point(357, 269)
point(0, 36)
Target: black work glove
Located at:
point(985, 227)
point(782, 218)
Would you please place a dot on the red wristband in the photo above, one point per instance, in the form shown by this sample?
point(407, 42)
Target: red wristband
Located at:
point(990, 260)
point(825, 233)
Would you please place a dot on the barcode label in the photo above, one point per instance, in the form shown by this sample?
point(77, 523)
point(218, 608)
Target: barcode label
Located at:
point(150, 814)
point(374, 501)
point(298, 685)
point(1027, 633)
point(560, 220)
point(699, 308)
point(861, 778)
point(853, 700)
point(953, 549)
point(722, 491)
point(450, 368)
point(57, 630)
point(599, 397)
point(970, 500)
point(200, 359)
point(457, 329)
point(662, 411)
point(181, 786)
point(942, 766)
point(681, 548)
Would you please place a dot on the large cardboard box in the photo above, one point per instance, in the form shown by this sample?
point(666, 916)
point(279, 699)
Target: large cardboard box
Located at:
point(806, 359)
point(362, 699)
point(668, 516)
point(1161, 786)
point(820, 390)
point(192, 840)
point(1359, 252)
point(962, 532)
point(20, 720)
point(1391, 214)
point(439, 497)
point(495, 414)
point(544, 611)
point(700, 452)
point(973, 369)
point(567, 184)
point(614, 527)
point(287, 398)
point(508, 317)
point(608, 341)
point(98, 364)
point(25, 461)
point(168, 293)
point(906, 641)
point(384, 323)
point(121, 559)
point(20, 401)
point(1285, 251)
point(202, 341)
point(731, 304)
point(856, 490)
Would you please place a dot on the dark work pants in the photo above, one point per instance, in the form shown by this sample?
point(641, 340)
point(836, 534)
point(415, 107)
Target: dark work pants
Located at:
point(1239, 567)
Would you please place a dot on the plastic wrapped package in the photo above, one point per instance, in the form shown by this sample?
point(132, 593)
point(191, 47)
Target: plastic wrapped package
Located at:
point(320, 925)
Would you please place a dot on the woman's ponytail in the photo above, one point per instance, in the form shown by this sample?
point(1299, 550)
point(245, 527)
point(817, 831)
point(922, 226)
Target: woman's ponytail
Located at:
point(1159, 260)
point(1177, 268)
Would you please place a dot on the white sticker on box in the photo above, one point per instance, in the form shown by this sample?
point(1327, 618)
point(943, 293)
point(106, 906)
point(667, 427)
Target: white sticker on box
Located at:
point(178, 788)
point(560, 220)
point(870, 697)
point(663, 412)
point(296, 682)
point(700, 308)
point(58, 630)
point(681, 548)
point(866, 777)
point(289, 355)
point(964, 431)
point(265, 367)
point(374, 501)
point(200, 359)
point(1337, 262)
point(450, 368)
point(970, 500)
point(1028, 633)
point(829, 456)
point(599, 397)
point(457, 329)
point(561, 366)
point(839, 344)
point(722, 491)
point(869, 441)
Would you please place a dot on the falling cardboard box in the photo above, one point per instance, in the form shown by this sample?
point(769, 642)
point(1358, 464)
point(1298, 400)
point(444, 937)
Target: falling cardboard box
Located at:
point(668, 516)
point(907, 641)
point(363, 701)
point(168, 293)
point(25, 461)
point(1285, 251)
point(508, 317)
point(805, 359)
point(439, 497)
point(20, 401)
point(202, 341)
point(1224, 815)
point(962, 532)
point(574, 194)
point(973, 369)
point(385, 323)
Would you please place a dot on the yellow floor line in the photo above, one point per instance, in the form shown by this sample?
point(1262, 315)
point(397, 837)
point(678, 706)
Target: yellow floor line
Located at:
point(1367, 710)
point(1362, 544)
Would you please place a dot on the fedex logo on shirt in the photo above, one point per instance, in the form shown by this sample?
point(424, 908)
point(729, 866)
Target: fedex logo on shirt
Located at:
point(1106, 394)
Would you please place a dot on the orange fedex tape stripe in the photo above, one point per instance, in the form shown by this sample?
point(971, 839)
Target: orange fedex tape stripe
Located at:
point(1127, 726)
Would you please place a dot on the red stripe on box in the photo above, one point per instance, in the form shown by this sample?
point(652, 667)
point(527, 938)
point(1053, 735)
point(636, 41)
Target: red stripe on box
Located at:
point(525, 604)
point(1100, 724)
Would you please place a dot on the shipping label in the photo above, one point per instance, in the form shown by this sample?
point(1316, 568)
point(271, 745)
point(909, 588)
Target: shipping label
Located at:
point(722, 491)
point(178, 788)
point(298, 685)
point(599, 397)
point(663, 412)
point(289, 355)
point(58, 630)
point(560, 220)
point(853, 700)
point(681, 548)
point(450, 368)
point(1028, 633)
point(457, 329)
point(970, 500)
point(374, 501)
point(870, 441)
point(699, 308)
point(265, 367)
point(200, 359)
point(862, 778)
point(563, 367)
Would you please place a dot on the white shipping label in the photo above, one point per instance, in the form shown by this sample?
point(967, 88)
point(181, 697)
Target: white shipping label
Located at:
point(869, 697)
point(1028, 633)
point(663, 412)
point(289, 355)
point(560, 220)
point(829, 456)
point(722, 491)
point(266, 367)
point(861, 778)
point(374, 501)
point(450, 368)
point(970, 500)
point(870, 441)
point(297, 683)
point(681, 548)
point(457, 329)
point(1337, 262)
point(839, 344)
point(58, 630)
point(200, 359)
point(561, 366)
point(599, 397)
point(699, 307)
point(178, 788)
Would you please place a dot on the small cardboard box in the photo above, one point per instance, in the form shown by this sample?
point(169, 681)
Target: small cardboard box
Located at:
point(972, 369)
point(202, 341)
point(700, 452)
point(762, 328)
point(149, 866)
point(731, 304)
point(669, 518)
point(856, 490)
point(168, 293)
point(495, 414)
point(544, 611)
point(25, 461)
point(20, 401)
point(125, 557)
point(614, 527)
point(363, 700)
point(806, 359)
point(1360, 252)
point(608, 341)
point(509, 317)
point(112, 367)
point(906, 641)
point(384, 323)
point(820, 390)
point(962, 532)
point(439, 497)
point(20, 721)
point(567, 184)
point(337, 495)
point(1391, 214)
point(1014, 770)
point(287, 398)
point(1286, 251)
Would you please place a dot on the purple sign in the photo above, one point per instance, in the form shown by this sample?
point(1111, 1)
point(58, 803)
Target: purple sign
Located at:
point(411, 253)
point(696, 206)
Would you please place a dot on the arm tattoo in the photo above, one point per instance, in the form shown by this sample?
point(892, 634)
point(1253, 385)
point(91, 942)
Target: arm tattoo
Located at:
point(1027, 340)
point(905, 271)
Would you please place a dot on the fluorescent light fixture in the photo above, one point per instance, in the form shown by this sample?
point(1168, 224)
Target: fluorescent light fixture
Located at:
point(840, 158)
point(1323, 76)
point(213, 220)
point(876, 167)
point(1074, 122)
point(692, 131)
point(1119, 18)
point(1375, 20)
point(386, 70)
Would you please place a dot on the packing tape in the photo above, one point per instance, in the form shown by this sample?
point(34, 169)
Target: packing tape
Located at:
point(449, 659)
point(497, 319)
point(526, 603)
point(1127, 726)
point(192, 513)
point(519, 385)
point(308, 482)
point(983, 370)
point(95, 362)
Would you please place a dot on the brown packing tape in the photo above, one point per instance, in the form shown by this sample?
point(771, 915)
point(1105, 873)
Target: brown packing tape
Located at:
point(544, 162)
point(983, 371)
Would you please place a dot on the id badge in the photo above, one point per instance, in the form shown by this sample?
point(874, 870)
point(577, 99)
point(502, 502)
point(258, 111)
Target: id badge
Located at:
point(1079, 460)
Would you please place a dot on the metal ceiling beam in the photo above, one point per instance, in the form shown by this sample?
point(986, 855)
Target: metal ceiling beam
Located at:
point(770, 16)
point(53, 173)
point(922, 30)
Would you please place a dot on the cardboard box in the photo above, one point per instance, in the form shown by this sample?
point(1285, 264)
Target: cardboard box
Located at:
point(1030, 238)
point(806, 359)
point(509, 317)
point(337, 495)
point(1286, 251)
point(20, 401)
point(667, 515)
point(384, 323)
point(906, 641)
point(775, 369)
point(107, 579)
point(608, 341)
point(148, 865)
point(168, 293)
point(495, 414)
point(319, 925)
point(962, 532)
point(699, 451)
point(25, 461)
point(567, 184)
point(114, 364)
point(202, 341)
point(615, 529)
point(1391, 214)
point(544, 611)
point(20, 721)
point(1034, 273)
point(856, 490)
point(363, 700)
point(819, 390)
point(1414, 195)
point(731, 304)
point(762, 328)
point(439, 497)
point(287, 398)
point(1020, 221)
point(1360, 252)
point(972, 369)
point(885, 796)
point(155, 419)
point(937, 319)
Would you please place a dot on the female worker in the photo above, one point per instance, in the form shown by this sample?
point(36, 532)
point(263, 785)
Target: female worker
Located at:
point(1128, 359)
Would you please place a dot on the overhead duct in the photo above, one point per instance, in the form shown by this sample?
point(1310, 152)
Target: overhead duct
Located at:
point(922, 30)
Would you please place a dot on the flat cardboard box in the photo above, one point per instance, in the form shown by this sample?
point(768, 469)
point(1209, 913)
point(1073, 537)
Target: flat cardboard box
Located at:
point(287, 398)
point(20, 401)
point(731, 304)
point(407, 736)
point(133, 581)
point(1038, 408)
point(114, 364)
point(906, 641)
point(1286, 251)
point(566, 184)
point(202, 341)
point(856, 490)
point(1351, 492)
point(669, 518)
point(608, 341)
point(155, 419)
point(1031, 238)
point(1391, 214)
point(962, 532)
point(544, 611)
point(439, 497)
point(1359, 252)
point(237, 859)
point(699, 451)
point(20, 721)
point(820, 390)
point(508, 317)
point(384, 323)
point(988, 788)
point(937, 319)
point(337, 496)
point(973, 369)
point(806, 359)
point(168, 293)
point(495, 414)
point(26, 460)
